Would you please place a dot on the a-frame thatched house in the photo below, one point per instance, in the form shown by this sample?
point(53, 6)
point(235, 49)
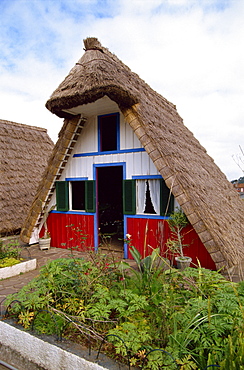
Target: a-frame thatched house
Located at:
point(120, 142)
point(24, 151)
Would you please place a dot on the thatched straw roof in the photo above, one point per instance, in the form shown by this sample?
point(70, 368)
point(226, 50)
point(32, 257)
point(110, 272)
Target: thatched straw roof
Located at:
point(23, 151)
point(204, 193)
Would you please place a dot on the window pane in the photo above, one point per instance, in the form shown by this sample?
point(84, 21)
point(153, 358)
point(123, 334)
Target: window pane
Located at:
point(108, 133)
point(154, 188)
point(148, 196)
point(167, 200)
point(140, 196)
point(148, 204)
point(78, 195)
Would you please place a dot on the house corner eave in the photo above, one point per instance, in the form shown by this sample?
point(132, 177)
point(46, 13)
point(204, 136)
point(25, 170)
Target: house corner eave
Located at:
point(59, 105)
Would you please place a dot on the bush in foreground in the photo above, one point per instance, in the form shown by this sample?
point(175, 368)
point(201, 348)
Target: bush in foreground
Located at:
point(158, 318)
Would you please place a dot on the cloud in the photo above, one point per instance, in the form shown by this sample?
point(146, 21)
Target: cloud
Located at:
point(189, 51)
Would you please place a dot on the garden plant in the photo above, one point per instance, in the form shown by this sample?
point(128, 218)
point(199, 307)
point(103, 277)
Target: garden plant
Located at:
point(9, 254)
point(155, 317)
point(177, 222)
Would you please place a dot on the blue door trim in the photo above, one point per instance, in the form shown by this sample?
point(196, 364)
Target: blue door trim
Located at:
point(95, 166)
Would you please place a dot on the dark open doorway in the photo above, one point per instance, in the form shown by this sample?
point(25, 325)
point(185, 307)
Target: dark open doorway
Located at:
point(110, 205)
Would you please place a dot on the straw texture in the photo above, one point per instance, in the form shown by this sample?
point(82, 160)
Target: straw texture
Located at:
point(23, 157)
point(204, 193)
point(56, 164)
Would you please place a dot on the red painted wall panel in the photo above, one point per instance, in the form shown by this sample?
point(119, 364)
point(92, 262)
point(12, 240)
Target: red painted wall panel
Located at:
point(146, 234)
point(65, 230)
point(153, 233)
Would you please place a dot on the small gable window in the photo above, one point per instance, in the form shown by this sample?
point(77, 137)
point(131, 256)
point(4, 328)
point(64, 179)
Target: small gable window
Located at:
point(108, 133)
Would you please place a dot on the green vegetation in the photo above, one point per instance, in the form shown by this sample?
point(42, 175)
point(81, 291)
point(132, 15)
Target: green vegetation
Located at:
point(9, 261)
point(177, 221)
point(193, 317)
point(9, 254)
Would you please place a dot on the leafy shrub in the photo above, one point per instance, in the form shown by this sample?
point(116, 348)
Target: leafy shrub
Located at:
point(9, 250)
point(192, 318)
point(9, 254)
point(9, 261)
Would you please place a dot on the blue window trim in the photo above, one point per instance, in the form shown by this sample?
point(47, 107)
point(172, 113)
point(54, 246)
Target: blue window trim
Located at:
point(147, 216)
point(146, 177)
point(76, 178)
point(74, 213)
point(112, 164)
point(122, 151)
point(117, 130)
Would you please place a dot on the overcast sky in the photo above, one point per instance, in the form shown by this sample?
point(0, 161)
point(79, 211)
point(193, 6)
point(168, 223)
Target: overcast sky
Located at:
point(190, 51)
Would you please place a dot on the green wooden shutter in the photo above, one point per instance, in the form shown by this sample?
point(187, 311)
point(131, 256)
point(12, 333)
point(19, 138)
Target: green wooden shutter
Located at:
point(90, 196)
point(62, 195)
point(129, 197)
point(166, 200)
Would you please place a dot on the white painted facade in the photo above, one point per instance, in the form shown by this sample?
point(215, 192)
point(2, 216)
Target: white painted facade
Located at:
point(137, 163)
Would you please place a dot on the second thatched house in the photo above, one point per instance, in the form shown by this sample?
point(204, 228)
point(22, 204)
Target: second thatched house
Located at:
point(24, 151)
point(123, 159)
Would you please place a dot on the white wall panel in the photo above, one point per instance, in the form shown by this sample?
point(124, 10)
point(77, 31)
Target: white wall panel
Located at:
point(122, 132)
point(152, 169)
point(145, 165)
point(137, 164)
point(128, 139)
point(89, 170)
point(88, 140)
point(129, 165)
point(136, 141)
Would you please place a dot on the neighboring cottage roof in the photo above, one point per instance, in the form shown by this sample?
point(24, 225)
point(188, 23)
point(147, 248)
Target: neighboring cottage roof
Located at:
point(23, 156)
point(204, 193)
